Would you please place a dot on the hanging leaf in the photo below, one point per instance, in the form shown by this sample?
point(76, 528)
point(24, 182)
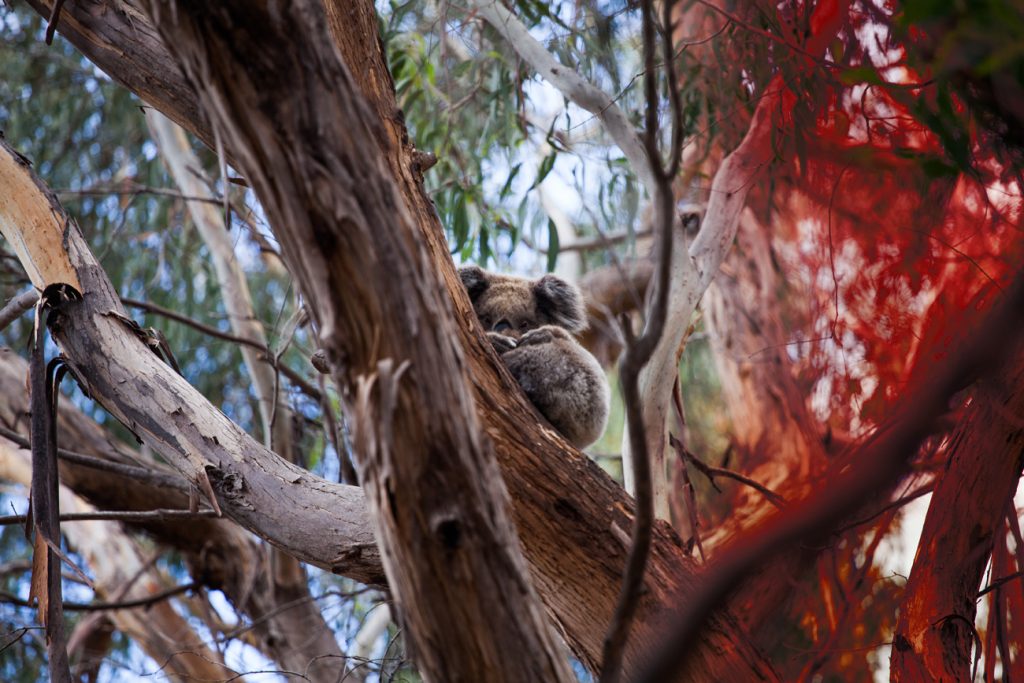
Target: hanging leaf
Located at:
point(552, 245)
point(507, 187)
point(545, 167)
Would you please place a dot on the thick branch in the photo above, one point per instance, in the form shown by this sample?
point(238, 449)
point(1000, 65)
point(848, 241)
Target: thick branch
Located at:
point(964, 517)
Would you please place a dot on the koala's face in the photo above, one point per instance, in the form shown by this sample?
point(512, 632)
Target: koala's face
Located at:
point(513, 306)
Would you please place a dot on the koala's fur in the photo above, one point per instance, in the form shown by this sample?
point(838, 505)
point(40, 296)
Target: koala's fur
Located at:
point(531, 324)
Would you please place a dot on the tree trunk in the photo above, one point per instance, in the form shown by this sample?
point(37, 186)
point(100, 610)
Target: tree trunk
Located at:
point(935, 630)
point(772, 428)
point(569, 514)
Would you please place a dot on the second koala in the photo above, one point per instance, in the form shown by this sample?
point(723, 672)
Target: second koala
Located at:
point(531, 324)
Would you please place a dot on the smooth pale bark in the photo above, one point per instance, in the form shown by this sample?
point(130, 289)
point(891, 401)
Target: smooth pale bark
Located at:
point(570, 515)
point(120, 572)
point(935, 633)
point(574, 87)
point(318, 654)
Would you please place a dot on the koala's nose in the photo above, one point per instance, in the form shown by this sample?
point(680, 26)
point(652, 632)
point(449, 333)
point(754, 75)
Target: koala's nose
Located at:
point(502, 326)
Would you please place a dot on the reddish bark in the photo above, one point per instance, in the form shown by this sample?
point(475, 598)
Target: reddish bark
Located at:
point(935, 632)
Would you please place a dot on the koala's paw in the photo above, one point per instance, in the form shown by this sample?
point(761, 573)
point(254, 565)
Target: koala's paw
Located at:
point(501, 343)
point(543, 335)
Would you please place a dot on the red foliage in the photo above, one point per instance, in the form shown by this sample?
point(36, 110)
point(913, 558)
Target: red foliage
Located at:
point(898, 236)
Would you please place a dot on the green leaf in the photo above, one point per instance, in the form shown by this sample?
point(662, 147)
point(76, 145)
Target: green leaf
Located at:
point(507, 187)
point(546, 165)
point(460, 220)
point(552, 245)
point(860, 74)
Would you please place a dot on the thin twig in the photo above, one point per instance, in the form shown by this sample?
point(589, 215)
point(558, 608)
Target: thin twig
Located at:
point(134, 189)
point(999, 582)
point(711, 472)
point(601, 241)
point(294, 377)
point(899, 502)
point(100, 606)
point(681, 453)
point(638, 353)
point(195, 324)
point(133, 472)
point(158, 515)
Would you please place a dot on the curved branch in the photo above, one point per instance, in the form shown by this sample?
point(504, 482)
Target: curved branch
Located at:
point(574, 87)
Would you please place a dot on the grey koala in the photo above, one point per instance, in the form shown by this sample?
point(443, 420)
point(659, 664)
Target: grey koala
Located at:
point(531, 324)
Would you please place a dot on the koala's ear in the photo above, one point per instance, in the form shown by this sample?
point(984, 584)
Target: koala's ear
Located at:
point(475, 280)
point(562, 302)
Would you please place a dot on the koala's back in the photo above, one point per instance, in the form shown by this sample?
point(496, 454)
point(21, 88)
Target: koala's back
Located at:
point(566, 384)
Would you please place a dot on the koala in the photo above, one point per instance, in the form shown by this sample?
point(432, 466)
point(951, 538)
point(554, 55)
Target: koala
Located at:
point(531, 324)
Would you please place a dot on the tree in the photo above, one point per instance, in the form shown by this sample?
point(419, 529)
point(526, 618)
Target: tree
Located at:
point(486, 527)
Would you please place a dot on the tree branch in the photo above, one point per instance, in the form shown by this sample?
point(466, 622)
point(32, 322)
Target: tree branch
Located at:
point(160, 596)
point(119, 516)
point(574, 87)
point(168, 413)
point(17, 306)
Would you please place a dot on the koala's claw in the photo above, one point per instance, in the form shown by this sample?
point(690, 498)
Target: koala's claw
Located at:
point(501, 343)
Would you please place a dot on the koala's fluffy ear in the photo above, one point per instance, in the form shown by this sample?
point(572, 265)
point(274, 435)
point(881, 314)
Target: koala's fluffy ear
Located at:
point(562, 302)
point(475, 280)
